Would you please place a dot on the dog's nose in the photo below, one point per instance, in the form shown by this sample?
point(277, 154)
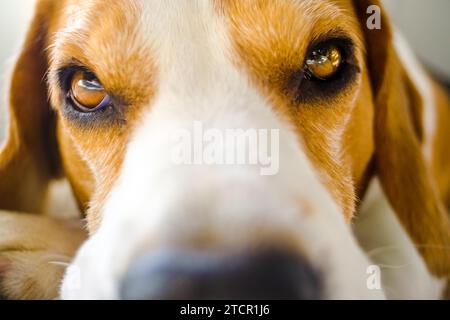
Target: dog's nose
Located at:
point(184, 275)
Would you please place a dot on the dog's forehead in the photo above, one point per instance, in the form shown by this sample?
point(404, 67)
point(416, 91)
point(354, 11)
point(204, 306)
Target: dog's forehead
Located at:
point(148, 23)
point(97, 14)
point(127, 43)
point(163, 8)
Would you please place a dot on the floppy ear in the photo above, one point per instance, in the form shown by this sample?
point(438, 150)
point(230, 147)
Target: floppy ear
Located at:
point(28, 158)
point(401, 166)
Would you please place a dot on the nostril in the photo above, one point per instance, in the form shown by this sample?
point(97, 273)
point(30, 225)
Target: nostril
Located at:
point(180, 275)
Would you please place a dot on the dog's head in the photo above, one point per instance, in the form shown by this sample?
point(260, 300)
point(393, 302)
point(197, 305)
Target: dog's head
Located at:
point(139, 104)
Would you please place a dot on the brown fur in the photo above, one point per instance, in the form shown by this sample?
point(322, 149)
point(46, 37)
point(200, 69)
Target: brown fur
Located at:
point(441, 154)
point(34, 251)
point(27, 159)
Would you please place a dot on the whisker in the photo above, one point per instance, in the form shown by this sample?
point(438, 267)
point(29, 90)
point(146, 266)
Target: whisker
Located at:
point(59, 263)
point(59, 260)
point(382, 249)
point(387, 266)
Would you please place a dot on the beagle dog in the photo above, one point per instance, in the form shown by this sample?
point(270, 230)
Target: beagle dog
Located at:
point(99, 88)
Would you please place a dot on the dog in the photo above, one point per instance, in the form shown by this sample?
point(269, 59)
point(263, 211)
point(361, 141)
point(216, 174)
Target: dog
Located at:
point(99, 88)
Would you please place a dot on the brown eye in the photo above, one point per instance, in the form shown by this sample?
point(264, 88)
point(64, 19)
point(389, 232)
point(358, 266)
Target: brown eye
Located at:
point(87, 93)
point(324, 63)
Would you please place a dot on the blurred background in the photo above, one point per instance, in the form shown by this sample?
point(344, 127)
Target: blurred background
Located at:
point(426, 24)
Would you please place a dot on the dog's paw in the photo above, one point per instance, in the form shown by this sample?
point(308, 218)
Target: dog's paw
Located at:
point(34, 253)
point(31, 274)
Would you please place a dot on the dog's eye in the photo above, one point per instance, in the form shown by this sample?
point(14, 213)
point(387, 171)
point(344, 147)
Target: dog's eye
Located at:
point(87, 93)
point(324, 62)
point(329, 67)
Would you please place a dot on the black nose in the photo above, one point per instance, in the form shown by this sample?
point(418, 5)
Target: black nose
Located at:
point(196, 275)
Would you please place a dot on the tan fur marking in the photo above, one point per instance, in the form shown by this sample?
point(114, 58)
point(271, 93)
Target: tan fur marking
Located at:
point(271, 38)
point(123, 69)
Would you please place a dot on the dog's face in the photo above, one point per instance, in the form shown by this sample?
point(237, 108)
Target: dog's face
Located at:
point(227, 64)
point(124, 76)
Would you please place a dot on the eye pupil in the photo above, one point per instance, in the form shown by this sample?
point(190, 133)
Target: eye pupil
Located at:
point(324, 63)
point(87, 93)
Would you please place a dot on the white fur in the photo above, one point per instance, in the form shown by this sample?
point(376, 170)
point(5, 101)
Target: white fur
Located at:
point(156, 203)
point(404, 273)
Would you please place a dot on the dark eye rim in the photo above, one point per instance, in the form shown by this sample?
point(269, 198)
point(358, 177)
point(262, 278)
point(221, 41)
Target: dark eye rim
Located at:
point(69, 74)
point(65, 77)
point(306, 89)
point(345, 46)
point(104, 115)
